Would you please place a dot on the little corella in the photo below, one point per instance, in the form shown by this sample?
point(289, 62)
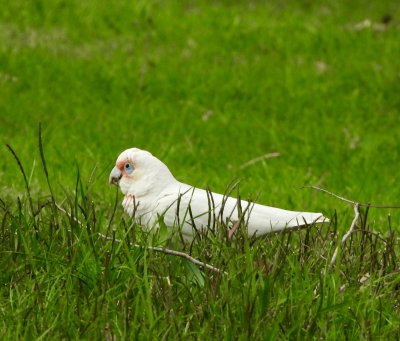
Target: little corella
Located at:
point(151, 192)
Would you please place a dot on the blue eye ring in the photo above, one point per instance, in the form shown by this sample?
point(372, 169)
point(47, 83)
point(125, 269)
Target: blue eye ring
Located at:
point(128, 168)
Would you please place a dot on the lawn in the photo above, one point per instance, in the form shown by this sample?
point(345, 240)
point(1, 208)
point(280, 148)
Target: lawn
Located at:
point(205, 86)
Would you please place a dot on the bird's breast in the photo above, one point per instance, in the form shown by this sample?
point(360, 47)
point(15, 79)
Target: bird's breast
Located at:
point(135, 206)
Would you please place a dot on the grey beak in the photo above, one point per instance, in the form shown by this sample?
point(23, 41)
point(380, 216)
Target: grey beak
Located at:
point(115, 176)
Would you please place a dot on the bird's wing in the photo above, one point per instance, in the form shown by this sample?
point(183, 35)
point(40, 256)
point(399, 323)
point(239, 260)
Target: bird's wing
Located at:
point(186, 206)
point(174, 203)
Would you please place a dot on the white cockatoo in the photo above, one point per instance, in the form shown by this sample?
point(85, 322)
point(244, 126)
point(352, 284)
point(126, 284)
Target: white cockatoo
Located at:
point(151, 192)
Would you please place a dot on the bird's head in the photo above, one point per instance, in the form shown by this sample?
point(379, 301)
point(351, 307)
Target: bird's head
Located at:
point(138, 173)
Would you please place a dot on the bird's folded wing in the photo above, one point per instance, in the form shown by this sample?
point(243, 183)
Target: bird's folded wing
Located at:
point(193, 208)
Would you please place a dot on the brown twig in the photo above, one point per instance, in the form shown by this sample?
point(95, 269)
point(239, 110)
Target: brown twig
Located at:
point(170, 252)
point(152, 248)
point(347, 200)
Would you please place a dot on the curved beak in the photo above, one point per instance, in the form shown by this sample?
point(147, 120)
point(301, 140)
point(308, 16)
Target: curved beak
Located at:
point(115, 176)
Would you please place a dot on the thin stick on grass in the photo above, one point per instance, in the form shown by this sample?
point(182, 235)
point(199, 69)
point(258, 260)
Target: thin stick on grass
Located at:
point(357, 215)
point(171, 252)
point(349, 201)
point(153, 248)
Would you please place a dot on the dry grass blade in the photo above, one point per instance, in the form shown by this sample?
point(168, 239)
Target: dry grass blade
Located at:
point(259, 158)
point(234, 228)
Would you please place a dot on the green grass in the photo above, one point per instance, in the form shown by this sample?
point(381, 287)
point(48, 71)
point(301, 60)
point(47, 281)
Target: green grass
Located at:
point(206, 87)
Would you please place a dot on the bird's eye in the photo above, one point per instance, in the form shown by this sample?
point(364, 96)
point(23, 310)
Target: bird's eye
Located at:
point(128, 168)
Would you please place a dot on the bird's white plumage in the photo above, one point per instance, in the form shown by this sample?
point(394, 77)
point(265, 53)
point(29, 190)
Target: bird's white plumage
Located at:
point(152, 191)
